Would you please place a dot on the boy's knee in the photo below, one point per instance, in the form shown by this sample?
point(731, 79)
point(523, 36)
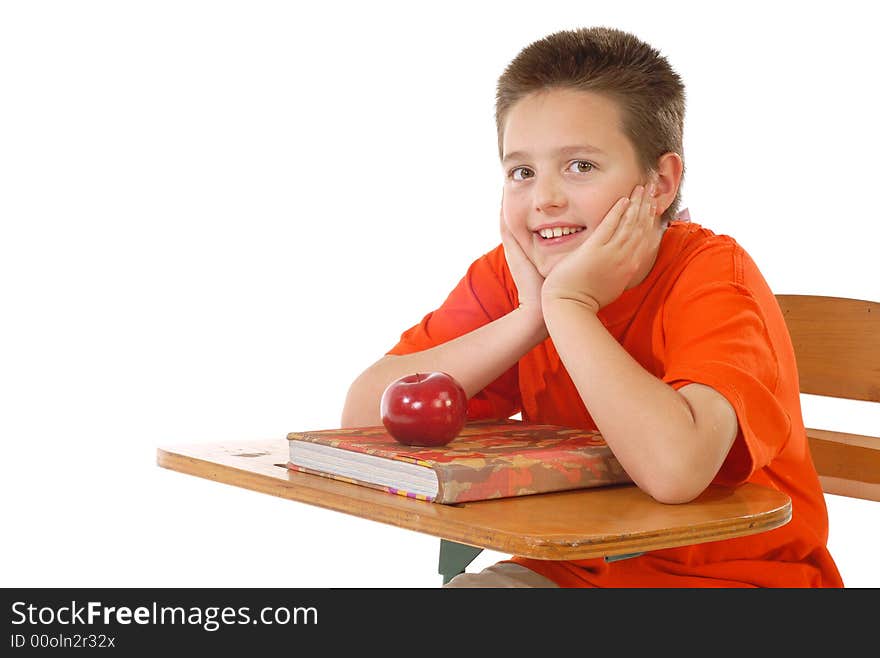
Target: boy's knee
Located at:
point(502, 574)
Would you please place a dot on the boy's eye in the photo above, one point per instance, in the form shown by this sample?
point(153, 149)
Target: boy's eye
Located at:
point(513, 173)
point(521, 173)
point(583, 166)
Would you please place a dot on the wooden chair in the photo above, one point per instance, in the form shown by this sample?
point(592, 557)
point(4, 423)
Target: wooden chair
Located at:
point(837, 346)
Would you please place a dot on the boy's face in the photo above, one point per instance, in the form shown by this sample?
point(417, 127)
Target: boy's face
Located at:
point(566, 162)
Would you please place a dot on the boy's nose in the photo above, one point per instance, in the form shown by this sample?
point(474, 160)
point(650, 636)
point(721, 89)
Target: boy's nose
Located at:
point(548, 194)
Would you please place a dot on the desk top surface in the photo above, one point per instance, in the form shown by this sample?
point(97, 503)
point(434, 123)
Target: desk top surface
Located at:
point(567, 525)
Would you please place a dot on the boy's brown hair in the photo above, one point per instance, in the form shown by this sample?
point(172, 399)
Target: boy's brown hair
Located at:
point(649, 93)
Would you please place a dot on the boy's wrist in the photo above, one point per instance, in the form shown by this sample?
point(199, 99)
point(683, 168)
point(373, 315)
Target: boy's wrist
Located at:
point(550, 303)
point(533, 319)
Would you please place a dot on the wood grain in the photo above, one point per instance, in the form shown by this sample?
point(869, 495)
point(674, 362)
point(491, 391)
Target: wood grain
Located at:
point(847, 464)
point(567, 525)
point(837, 345)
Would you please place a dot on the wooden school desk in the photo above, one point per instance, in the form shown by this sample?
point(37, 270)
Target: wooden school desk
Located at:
point(612, 522)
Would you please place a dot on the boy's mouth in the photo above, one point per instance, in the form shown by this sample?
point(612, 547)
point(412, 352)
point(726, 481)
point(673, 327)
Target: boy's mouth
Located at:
point(549, 236)
point(558, 231)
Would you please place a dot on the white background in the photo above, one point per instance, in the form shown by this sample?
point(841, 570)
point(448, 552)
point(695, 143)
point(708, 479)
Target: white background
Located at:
point(216, 214)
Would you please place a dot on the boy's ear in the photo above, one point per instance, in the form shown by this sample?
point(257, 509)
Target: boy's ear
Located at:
point(667, 178)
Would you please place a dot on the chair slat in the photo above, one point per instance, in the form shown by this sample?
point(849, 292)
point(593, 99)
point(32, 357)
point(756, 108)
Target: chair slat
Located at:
point(836, 343)
point(848, 464)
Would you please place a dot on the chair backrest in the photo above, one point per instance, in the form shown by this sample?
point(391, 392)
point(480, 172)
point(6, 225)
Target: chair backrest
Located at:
point(837, 345)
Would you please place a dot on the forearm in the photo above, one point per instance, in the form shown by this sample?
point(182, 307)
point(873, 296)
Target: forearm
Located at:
point(647, 424)
point(475, 359)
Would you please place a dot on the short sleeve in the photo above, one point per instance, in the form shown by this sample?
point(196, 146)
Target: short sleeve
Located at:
point(716, 334)
point(484, 294)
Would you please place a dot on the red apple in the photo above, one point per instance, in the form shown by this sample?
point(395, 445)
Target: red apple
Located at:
point(424, 409)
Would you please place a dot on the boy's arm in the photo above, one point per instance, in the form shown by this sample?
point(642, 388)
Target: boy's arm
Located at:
point(475, 359)
point(671, 443)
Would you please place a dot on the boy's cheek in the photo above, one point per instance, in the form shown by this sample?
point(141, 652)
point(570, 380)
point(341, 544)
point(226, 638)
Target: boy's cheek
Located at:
point(531, 252)
point(524, 237)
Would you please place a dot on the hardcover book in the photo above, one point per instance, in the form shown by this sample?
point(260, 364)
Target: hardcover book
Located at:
point(486, 460)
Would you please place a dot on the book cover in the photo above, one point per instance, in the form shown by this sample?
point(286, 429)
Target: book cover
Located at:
point(486, 460)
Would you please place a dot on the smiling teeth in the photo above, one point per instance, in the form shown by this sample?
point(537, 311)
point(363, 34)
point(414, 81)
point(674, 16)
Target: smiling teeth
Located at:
point(558, 231)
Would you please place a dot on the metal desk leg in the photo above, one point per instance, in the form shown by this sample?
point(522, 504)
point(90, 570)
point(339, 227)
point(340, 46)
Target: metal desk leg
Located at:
point(454, 558)
point(624, 556)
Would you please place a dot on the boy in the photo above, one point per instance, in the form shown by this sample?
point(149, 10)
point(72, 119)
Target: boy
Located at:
point(600, 310)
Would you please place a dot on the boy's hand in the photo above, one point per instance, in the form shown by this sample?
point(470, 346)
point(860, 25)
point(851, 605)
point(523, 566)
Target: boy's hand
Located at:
point(525, 275)
point(599, 270)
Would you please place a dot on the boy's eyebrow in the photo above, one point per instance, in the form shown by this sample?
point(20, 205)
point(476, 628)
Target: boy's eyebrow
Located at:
point(519, 155)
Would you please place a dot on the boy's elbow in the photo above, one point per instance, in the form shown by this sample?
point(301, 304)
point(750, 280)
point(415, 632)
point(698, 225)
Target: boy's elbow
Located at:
point(674, 495)
point(360, 409)
point(351, 413)
point(351, 418)
point(676, 488)
point(347, 419)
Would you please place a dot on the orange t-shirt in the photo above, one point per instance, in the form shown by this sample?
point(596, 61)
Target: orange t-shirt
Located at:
point(704, 314)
